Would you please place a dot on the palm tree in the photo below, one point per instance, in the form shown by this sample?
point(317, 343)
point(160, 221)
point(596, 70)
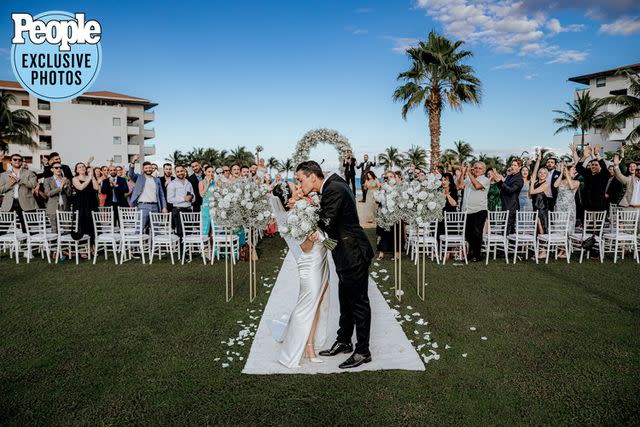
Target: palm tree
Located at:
point(462, 152)
point(259, 149)
point(492, 161)
point(195, 155)
point(285, 166)
point(17, 126)
point(417, 156)
point(391, 158)
point(630, 103)
point(581, 114)
point(437, 77)
point(272, 163)
point(241, 156)
point(177, 158)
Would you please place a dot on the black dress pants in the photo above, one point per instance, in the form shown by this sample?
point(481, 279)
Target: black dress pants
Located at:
point(473, 234)
point(355, 310)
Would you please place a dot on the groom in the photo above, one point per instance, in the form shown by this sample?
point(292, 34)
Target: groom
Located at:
point(352, 257)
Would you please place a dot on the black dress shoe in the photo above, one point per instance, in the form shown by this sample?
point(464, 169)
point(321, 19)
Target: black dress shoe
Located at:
point(355, 360)
point(337, 348)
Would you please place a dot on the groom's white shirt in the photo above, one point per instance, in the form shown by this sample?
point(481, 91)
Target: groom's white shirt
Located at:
point(325, 182)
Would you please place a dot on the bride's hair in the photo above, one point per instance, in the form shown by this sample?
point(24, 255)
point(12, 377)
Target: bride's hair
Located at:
point(310, 167)
point(282, 192)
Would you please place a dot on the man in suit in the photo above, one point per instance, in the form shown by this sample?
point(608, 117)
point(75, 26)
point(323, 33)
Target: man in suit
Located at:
point(58, 190)
point(66, 170)
point(510, 192)
point(349, 166)
point(552, 176)
point(613, 191)
point(16, 185)
point(165, 179)
point(115, 189)
point(194, 179)
point(352, 257)
point(365, 166)
point(147, 193)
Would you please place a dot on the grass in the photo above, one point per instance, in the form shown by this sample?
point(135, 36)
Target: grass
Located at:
point(138, 344)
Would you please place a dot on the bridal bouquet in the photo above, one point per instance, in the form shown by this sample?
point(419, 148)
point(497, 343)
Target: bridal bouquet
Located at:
point(303, 220)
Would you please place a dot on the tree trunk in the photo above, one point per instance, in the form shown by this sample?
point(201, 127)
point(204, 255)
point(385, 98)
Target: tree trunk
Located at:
point(435, 110)
point(582, 141)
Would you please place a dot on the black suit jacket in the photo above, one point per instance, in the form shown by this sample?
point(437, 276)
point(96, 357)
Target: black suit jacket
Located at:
point(554, 177)
point(349, 166)
point(614, 191)
point(366, 167)
point(510, 192)
point(193, 179)
point(121, 190)
point(339, 219)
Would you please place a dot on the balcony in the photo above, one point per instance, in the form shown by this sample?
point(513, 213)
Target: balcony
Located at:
point(149, 150)
point(44, 107)
point(133, 149)
point(149, 116)
point(44, 145)
point(133, 130)
point(149, 133)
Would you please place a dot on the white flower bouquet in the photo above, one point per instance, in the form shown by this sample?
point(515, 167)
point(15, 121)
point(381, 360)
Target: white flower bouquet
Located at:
point(410, 202)
point(303, 220)
point(242, 203)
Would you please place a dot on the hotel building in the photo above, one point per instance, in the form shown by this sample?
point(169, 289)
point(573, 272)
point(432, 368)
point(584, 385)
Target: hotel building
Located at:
point(106, 125)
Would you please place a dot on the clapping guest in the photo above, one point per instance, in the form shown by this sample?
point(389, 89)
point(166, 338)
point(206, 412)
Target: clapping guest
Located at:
point(493, 194)
point(180, 195)
point(58, 190)
point(524, 200)
point(552, 176)
point(538, 193)
point(349, 166)
point(365, 166)
point(86, 198)
point(566, 200)
point(476, 187)
point(55, 158)
point(510, 189)
point(16, 187)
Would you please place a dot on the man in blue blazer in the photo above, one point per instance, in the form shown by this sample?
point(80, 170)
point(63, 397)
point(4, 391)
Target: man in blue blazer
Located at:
point(147, 194)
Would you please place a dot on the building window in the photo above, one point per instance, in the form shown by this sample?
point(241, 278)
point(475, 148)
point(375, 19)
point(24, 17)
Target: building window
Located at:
point(116, 121)
point(117, 140)
point(25, 102)
point(601, 82)
point(117, 159)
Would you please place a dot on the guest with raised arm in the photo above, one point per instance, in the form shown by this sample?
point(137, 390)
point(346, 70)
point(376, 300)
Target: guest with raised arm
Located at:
point(567, 186)
point(510, 188)
point(147, 194)
point(539, 199)
point(85, 200)
point(596, 178)
point(476, 187)
point(631, 198)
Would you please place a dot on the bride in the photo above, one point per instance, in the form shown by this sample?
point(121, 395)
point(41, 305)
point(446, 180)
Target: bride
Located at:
point(307, 327)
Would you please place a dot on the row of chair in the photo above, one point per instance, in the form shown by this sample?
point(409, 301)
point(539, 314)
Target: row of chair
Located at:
point(123, 240)
point(621, 236)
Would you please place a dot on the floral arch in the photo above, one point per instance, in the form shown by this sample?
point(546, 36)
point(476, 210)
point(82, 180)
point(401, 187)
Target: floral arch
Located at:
point(326, 136)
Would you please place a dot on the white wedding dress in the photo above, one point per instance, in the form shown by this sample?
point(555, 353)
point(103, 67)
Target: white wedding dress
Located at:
point(313, 270)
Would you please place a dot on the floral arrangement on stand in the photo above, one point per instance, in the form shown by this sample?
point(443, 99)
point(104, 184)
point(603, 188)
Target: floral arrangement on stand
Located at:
point(303, 220)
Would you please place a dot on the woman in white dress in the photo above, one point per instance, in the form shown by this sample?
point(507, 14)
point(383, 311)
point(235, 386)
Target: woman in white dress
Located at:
point(370, 206)
point(307, 327)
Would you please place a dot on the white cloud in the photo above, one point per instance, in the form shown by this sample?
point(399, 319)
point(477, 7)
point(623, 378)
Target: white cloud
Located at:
point(531, 76)
point(359, 32)
point(509, 66)
point(506, 25)
point(401, 44)
point(623, 26)
point(553, 25)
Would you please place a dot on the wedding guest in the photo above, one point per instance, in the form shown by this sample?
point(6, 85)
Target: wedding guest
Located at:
point(194, 179)
point(493, 194)
point(364, 166)
point(148, 194)
point(245, 172)
point(631, 198)
point(100, 177)
point(205, 187)
point(451, 199)
point(262, 169)
point(384, 238)
point(54, 157)
point(566, 200)
point(349, 166)
point(524, 201)
point(114, 188)
point(370, 206)
point(613, 190)
point(539, 199)
point(180, 195)
point(595, 178)
point(422, 175)
point(552, 176)
point(510, 191)
point(16, 187)
point(85, 200)
point(253, 169)
point(235, 173)
point(58, 190)
point(476, 187)
point(165, 179)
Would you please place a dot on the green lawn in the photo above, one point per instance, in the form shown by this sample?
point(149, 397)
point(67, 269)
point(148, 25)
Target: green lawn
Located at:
point(109, 344)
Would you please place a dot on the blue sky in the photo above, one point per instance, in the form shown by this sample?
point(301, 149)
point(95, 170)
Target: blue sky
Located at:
point(264, 72)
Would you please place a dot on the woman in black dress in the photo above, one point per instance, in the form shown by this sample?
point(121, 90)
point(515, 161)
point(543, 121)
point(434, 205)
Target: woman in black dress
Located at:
point(538, 192)
point(384, 238)
point(451, 199)
point(85, 200)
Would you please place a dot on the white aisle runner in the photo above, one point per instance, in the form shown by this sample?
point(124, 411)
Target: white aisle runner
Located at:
point(390, 348)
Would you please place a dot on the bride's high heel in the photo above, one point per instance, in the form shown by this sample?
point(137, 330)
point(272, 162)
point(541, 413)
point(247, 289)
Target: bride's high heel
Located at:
point(313, 359)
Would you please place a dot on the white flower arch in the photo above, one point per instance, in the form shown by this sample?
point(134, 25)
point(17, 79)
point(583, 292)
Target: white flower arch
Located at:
point(328, 136)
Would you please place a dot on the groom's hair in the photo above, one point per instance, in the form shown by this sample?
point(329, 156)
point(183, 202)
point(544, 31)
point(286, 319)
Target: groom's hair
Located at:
point(310, 167)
